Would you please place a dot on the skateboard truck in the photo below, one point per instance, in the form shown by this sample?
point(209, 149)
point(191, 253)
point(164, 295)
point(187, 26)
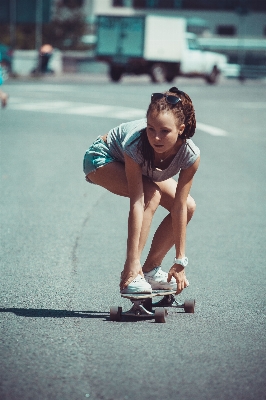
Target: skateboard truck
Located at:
point(143, 306)
point(169, 300)
point(138, 309)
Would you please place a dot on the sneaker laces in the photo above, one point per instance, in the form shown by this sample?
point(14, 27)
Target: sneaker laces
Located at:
point(137, 279)
point(159, 272)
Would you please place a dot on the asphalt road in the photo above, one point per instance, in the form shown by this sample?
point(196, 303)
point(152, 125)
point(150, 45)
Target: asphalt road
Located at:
point(63, 247)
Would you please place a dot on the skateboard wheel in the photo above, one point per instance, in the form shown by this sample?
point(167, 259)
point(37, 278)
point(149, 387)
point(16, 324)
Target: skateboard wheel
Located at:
point(189, 306)
point(115, 313)
point(160, 315)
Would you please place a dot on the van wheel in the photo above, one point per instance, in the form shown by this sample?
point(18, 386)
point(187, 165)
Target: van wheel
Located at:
point(212, 78)
point(158, 73)
point(170, 78)
point(115, 73)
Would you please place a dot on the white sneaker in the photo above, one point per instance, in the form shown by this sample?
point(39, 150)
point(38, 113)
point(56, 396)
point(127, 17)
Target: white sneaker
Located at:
point(138, 285)
point(158, 279)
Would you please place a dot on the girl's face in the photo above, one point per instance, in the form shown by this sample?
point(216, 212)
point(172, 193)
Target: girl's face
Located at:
point(163, 131)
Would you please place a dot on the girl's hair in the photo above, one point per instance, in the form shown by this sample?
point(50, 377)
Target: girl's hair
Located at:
point(183, 112)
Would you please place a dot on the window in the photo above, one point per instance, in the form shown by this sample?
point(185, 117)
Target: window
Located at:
point(164, 4)
point(72, 3)
point(209, 5)
point(226, 30)
point(193, 44)
point(257, 5)
point(118, 3)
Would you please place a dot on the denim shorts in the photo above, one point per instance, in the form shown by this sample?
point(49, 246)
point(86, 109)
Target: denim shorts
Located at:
point(97, 155)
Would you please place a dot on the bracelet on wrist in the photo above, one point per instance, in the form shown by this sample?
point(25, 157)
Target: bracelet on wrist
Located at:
point(181, 261)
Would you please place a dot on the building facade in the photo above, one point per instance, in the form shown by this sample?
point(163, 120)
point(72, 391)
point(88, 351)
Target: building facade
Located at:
point(226, 18)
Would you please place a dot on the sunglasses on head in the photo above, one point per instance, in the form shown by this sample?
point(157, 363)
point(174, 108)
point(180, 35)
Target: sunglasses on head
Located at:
point(170, 99)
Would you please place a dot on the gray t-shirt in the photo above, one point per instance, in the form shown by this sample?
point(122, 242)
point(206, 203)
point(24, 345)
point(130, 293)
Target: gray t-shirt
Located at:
point(125, 138)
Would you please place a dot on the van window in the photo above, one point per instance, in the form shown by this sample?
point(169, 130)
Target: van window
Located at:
point(193, 44)
point(226, 30)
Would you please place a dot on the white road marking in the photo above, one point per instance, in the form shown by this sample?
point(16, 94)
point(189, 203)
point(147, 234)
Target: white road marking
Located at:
point(85, 109)
point(212, 130)
point(95, 110)
point(45, 88)
point(59, 107)
point(252, 105)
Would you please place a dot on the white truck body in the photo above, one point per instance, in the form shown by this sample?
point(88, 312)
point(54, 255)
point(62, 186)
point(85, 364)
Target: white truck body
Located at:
point(156, 45)
point(166, 43)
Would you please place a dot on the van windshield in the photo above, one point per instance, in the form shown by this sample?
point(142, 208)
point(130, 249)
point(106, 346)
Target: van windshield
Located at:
point(193, 44)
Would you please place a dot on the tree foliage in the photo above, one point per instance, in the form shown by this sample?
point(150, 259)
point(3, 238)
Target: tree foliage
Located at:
point(67, 25)
point(66, 28)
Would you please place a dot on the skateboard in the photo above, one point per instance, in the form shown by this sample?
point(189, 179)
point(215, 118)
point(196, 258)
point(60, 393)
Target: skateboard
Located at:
point(143, 307)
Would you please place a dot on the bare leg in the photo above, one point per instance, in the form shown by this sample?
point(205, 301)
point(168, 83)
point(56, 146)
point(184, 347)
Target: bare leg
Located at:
point(113, 178)
point(163, 239)
point(3, 98)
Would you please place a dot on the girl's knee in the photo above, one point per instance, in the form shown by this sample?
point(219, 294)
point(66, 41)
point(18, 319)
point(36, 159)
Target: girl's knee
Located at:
point(152, 198)
point(191, 206)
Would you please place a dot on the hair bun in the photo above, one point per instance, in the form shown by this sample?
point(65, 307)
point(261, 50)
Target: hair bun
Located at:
point(174, 89)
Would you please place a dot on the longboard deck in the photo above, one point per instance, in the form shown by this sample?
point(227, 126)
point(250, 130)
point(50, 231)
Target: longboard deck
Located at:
point(139, 296)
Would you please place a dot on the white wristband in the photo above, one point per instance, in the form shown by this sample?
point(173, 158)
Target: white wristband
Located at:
point(181, 261)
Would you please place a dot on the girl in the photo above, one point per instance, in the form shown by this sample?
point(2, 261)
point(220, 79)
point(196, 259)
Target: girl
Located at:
point(138, 160)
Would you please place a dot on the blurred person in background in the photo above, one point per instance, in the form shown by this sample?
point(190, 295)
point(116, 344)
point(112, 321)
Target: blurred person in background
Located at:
point(45, 54)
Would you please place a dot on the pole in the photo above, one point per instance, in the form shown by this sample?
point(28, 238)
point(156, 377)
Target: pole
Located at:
point(38, 31)
point(12, 26)
point(242, 11)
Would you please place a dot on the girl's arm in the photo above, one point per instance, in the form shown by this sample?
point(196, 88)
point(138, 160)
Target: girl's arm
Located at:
point(179, 222)
point(136, 195)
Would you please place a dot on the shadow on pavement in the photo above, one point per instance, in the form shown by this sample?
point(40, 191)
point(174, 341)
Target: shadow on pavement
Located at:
point(47, 313)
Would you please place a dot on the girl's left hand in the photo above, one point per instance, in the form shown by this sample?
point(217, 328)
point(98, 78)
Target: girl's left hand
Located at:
point(178, 273)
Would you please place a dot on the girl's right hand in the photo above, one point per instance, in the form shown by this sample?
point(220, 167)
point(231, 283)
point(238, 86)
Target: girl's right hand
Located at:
point(131, 270)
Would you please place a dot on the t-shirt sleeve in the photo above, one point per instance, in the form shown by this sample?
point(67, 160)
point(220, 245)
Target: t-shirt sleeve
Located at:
point(131, 149)
point(131, 141)
point(191, 153)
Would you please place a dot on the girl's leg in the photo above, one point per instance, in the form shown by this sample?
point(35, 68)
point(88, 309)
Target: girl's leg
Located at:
point(112, 177)
point(163, 239)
